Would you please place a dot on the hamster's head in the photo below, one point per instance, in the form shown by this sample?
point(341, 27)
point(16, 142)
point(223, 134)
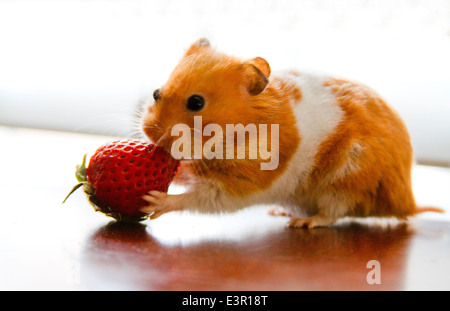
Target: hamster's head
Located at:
point(206, 83)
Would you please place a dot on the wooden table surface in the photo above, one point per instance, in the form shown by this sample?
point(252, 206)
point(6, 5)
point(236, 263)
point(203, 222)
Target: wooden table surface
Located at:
point(48, 246)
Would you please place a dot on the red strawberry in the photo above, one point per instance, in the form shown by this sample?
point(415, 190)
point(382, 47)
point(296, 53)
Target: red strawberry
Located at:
point(121, 172)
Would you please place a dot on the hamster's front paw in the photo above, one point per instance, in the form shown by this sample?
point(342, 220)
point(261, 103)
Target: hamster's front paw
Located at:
point(159, 203)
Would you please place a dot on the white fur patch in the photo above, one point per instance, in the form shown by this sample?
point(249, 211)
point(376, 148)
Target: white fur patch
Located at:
point(317, 115)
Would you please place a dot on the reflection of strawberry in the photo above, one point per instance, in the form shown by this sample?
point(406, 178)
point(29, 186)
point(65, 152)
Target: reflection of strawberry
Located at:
point(121, 172)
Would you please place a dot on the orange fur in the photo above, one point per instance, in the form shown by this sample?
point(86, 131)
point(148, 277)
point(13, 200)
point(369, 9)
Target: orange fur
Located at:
point(381, 182)
point(424, 209)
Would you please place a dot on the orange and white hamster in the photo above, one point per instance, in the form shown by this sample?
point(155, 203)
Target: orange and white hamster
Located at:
point(342, 151)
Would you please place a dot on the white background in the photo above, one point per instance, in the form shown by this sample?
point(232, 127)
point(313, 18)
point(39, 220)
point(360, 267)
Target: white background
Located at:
point(86, 66)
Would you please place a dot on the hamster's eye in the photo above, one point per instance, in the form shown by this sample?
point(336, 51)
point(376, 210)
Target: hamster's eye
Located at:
point(156, 95)
point(195, 103)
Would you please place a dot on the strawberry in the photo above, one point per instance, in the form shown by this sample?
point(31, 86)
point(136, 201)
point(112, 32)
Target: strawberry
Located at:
point(121, 172)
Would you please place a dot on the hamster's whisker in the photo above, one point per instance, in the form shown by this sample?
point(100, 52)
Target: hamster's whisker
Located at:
point(163, 136)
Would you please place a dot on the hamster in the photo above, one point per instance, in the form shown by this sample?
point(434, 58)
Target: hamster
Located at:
point(341, 150)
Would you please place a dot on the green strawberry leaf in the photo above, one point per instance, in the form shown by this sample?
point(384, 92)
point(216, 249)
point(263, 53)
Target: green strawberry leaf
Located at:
point(80, 172)
point(73, 190)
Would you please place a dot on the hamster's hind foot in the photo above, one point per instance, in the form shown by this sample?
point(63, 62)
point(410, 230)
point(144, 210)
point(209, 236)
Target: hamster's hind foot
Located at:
point(279, 211)
point(311, 222)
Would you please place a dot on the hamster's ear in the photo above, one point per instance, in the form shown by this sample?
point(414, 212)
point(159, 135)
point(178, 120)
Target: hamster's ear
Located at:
point(197, 46)
point(257, 73)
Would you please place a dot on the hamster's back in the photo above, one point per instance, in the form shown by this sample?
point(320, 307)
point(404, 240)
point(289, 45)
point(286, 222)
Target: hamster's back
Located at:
point(352, 145)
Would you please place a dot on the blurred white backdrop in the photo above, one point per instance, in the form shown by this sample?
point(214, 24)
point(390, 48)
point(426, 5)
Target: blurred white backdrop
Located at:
point(86, 65)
